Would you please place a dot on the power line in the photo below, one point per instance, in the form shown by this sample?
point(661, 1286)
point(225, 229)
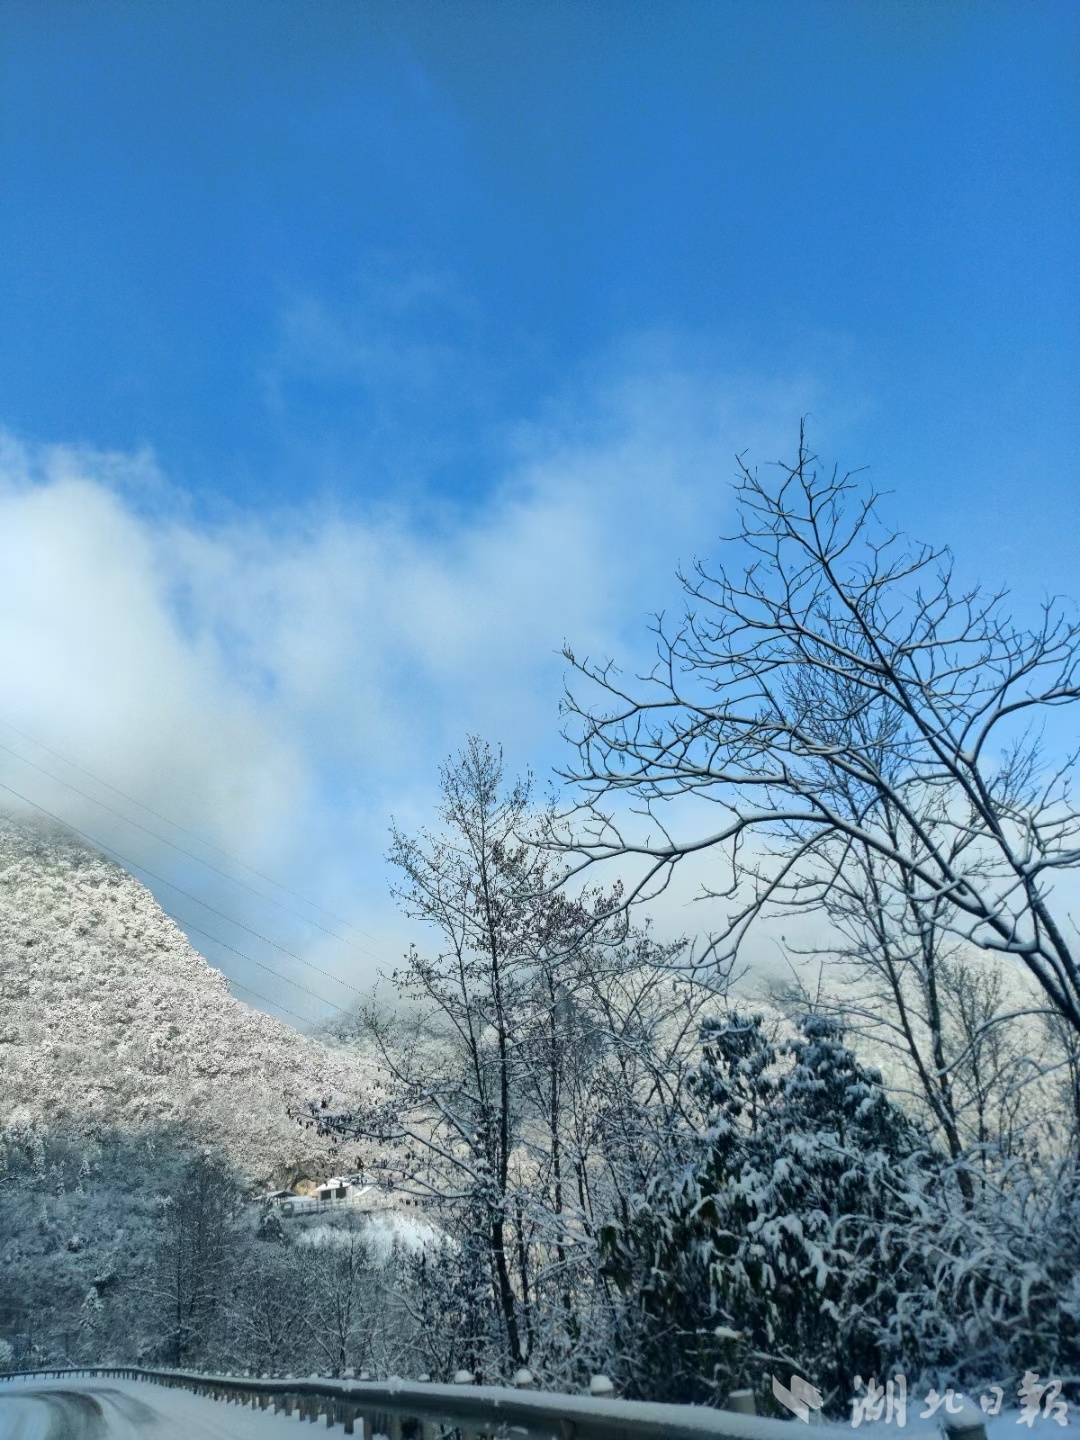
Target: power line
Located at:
point(234, 880)
point(272, 1003)
point(338, 919)
point(124, 860)
point(187, 925)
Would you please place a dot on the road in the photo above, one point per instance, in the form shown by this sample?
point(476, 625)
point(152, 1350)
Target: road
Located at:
point(125, 1409)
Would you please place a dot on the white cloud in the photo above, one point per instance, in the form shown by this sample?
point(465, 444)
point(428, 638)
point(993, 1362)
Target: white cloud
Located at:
point(282, 682)
point(96, 663)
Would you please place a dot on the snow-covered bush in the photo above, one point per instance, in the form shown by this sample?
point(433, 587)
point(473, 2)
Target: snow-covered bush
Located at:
point(1002, 1288)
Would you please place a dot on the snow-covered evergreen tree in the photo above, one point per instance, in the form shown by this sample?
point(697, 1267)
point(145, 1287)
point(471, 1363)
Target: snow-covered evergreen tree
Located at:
point(782, 1245)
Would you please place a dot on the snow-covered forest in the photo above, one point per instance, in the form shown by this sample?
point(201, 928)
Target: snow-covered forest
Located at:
point(634, 1153)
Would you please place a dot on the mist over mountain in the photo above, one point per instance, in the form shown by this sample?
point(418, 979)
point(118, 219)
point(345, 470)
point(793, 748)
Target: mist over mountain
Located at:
point(111, 1021)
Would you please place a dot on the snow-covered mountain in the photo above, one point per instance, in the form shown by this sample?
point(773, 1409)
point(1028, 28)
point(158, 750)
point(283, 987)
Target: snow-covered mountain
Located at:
point(109, 1020)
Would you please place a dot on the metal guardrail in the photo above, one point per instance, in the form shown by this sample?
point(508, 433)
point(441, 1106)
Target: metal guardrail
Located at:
point(401, 1409)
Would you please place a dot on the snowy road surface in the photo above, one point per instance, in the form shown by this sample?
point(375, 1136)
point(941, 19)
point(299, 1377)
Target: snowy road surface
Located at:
point(123, 1409)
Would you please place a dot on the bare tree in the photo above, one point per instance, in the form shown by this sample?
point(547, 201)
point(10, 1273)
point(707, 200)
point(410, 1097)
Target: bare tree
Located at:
point(344, 1308)
point(535, 1060)
point(270, 1305)
point(847, 707)
point(198, 1229)
point(456, 1052)
point(994, 1072)
point(1063, 1044)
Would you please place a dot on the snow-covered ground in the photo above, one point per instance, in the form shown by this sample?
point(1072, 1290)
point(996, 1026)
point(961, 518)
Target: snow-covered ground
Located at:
point(383, 1229)
point(87, 1409)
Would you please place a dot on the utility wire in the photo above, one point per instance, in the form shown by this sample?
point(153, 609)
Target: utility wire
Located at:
point(206, 933)
point(187, 925)
point(338, 920)
point(134, 865)
point(234, 880)
point(272, 1003)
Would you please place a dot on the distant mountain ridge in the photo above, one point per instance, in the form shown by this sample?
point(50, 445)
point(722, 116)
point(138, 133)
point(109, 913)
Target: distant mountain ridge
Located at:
point(110, 1020)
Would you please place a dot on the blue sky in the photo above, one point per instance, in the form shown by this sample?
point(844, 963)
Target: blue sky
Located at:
point(484, 200)
point(445, 295)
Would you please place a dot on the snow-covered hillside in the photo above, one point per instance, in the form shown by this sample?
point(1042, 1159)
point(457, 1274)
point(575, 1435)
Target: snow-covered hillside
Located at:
point(110, 1020)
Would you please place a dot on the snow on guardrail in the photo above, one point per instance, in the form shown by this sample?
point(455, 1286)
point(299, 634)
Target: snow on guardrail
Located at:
point(396, 1408)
